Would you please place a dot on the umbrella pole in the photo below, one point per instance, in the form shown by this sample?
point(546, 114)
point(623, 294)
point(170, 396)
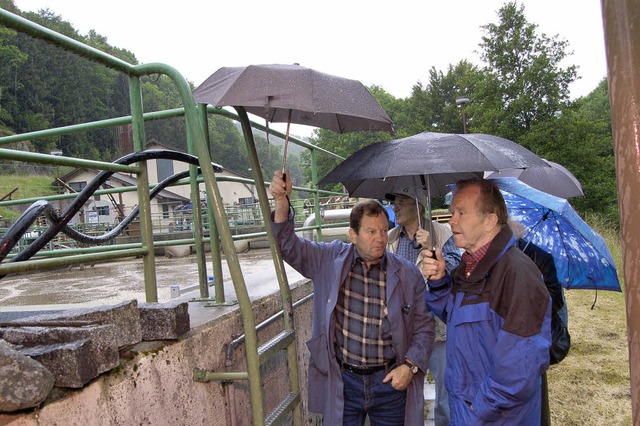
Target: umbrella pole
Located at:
point(286, 145)
point(292, 212)
point(425, 187)
point(266, 125)
point(428, 214)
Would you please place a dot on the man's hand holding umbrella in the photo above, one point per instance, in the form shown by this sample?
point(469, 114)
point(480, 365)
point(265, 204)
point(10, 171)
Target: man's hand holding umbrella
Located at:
point(280, 190)
point(423, 238)
point(433, 268)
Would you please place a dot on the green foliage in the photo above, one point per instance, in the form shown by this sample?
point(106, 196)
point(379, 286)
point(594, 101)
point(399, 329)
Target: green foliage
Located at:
point(532, 85)
point(580, 138)
point(43, 86)
point(433, 107)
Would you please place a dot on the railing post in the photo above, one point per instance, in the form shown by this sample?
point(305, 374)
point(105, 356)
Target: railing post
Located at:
point(214, 236)
point(144, 201)
point(285, 293)
point(197, 220)
point(316, 196)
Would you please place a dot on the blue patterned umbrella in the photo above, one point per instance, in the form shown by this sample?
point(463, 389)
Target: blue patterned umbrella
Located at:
point(583, 260)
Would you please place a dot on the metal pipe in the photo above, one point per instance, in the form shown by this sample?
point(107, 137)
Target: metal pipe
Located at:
point(21, 24)
point(621, 20)
point(144, 199)
point(214, 236)
point(30, 265)
point(34, 157)
point(327, 216)
point(316, 196)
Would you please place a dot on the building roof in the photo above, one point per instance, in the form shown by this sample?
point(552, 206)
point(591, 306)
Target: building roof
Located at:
point(125, 180)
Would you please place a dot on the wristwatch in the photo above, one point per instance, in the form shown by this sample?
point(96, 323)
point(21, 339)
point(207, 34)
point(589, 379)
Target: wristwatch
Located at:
point(412, 367)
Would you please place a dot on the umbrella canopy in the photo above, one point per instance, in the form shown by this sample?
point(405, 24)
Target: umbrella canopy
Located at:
point(554, 179)
point(295, 94)
point(426, 163)
point(582, 258)
point(441, 158)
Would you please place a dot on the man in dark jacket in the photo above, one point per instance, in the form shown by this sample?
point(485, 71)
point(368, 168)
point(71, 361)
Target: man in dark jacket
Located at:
point(498, 314)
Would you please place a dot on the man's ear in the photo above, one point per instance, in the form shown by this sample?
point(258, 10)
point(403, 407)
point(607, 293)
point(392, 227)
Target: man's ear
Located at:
point(352, 234)
point(491, 221)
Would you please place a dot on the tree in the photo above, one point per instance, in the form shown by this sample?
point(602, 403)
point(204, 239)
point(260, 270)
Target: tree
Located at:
point(433, 107)
point(580, 138)
point(532, 86)
point(12, 58)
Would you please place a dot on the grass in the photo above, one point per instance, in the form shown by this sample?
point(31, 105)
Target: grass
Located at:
point(591, 386)
point(27, 187)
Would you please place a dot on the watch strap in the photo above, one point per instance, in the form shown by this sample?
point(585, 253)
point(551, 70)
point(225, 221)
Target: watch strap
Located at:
point(412, 367)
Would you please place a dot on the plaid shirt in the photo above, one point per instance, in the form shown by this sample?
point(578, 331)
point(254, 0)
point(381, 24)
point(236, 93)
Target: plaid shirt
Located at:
point(363, 329)
point(406, 247)
point(472, 260)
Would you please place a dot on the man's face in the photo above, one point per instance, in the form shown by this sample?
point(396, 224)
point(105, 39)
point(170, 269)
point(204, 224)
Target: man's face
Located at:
point(470, 228)
point(405, 210)
point(371, 240)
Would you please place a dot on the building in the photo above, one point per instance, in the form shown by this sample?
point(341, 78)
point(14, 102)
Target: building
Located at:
point(171, 207)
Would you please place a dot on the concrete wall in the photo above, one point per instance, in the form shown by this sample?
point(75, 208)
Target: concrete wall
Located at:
point(154, 383)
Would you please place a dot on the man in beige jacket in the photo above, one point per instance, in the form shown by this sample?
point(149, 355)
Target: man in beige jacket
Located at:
point(412, 242)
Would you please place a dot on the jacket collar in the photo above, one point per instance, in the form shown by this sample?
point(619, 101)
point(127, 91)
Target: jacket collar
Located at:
point(476, 281)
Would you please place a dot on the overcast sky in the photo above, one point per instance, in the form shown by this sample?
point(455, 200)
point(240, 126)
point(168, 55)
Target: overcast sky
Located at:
point(389, 44)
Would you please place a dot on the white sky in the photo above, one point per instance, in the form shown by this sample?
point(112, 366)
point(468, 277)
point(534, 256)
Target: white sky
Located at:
point(390, 44)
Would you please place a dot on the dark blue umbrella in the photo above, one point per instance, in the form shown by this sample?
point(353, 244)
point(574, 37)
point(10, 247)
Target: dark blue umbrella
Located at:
point(583, 260)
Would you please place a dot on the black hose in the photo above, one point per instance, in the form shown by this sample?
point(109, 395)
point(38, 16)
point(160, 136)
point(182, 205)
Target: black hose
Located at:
point(59, 223)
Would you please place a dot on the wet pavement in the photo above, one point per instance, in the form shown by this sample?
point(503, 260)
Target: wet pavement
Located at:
point(115, 282)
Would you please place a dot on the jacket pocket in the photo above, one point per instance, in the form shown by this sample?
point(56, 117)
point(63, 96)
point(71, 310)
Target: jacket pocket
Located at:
point(470, 314)
point(319, 354)
point(318, 373)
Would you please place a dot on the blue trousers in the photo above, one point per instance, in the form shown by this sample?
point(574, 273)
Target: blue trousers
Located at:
point(367, 395)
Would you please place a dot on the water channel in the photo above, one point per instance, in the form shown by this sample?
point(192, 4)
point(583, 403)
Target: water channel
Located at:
point(114, 282)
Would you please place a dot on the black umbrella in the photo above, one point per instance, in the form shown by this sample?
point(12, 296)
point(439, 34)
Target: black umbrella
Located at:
point(295, 94)
point(443, 158)
point(438, 158)
point(554, 179)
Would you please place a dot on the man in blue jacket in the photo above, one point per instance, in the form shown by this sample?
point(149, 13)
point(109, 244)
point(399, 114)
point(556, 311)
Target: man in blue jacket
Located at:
point(371, 331)
point(498, 314)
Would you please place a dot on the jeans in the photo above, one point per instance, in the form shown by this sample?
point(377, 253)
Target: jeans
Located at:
point(437, 364)
point(367, 395)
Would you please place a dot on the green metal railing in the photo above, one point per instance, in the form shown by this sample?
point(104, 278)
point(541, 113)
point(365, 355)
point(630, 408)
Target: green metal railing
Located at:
point(220, 238)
